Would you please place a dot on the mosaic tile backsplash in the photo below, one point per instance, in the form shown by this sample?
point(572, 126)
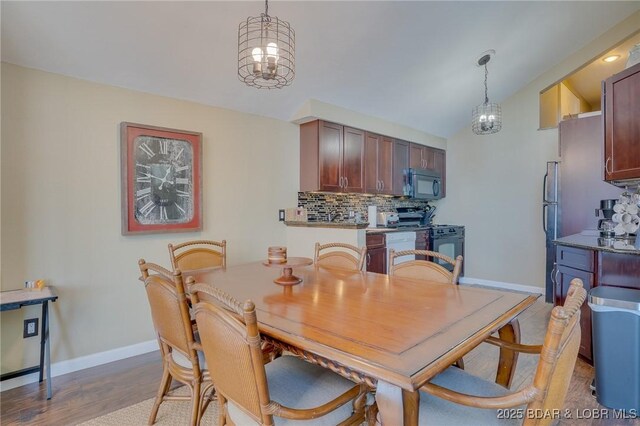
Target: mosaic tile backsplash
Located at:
point(320, 204)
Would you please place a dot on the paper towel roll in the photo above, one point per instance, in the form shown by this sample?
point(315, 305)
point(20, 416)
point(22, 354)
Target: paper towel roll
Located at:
point(372, 216)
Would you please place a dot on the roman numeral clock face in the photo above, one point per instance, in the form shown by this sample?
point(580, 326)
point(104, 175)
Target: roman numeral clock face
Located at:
point(163, 186)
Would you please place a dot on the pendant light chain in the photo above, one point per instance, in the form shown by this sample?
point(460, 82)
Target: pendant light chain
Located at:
point(266, 7)
point(486, 96)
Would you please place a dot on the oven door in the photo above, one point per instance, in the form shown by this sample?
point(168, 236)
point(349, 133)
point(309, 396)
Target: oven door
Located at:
point(449, 246)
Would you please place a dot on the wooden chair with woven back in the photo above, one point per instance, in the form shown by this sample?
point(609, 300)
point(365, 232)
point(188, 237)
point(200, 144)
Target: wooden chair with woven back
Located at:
point(250, 392)
point(424, 269)
point(178, 347)
point(455, 397)
point(346, 257)
point(198, 254)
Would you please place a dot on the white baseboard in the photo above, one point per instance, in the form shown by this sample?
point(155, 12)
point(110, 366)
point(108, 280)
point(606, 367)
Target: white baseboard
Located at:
point(506, 286)
point(80, 363)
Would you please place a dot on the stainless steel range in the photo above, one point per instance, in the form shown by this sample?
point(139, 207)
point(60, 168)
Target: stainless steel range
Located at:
point(447, 240)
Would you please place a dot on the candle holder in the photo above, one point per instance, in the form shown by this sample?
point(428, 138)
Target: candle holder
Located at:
point(287, 278)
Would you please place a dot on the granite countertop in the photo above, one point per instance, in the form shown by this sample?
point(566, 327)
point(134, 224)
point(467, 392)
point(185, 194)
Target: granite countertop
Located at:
point(325, 224)
point(595, 242)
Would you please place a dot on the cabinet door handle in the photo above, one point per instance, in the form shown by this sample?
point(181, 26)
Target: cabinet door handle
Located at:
point(341, 182)
point(346, 182)
point(382, 188)
point(606, 166)
point(368, 259)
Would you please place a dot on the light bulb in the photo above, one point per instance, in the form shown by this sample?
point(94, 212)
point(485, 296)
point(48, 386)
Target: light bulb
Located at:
point(257, 54)
point(272, 51)
point(483, 118)
point(492, 117)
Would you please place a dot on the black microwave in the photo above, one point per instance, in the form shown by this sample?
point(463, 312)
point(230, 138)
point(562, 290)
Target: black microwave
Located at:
point(422, 184)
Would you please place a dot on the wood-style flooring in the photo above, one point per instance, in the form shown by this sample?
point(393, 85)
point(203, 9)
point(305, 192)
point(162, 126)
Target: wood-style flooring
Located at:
point(90, 393)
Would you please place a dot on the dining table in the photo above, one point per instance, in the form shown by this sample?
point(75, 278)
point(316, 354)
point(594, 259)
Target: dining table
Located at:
point(391, 333)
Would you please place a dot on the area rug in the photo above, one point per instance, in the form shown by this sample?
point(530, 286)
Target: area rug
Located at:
point(170, 413)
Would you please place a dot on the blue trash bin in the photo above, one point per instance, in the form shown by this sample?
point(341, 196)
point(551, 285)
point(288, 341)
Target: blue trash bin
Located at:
point(615, 321)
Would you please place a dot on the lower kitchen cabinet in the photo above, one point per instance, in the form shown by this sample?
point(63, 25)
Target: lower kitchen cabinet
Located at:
point(573, 262)
point(595, 267)
point(564, 277)
point(376, 253)
point(619, 270)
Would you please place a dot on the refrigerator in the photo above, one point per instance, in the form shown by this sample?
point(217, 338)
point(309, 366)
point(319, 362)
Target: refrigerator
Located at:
point(574, 186)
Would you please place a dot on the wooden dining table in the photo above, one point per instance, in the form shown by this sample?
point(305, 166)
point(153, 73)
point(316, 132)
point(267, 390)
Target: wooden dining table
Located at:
point(392, 333)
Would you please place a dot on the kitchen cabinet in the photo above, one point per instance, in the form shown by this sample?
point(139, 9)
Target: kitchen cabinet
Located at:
point(337, 158)
point(376, 253)
point(419, 156)
point(422, 243)
point(378, 156)
point(400, 163)
point(440, 165)
point(619, 270)
point(331, 157)
point(572, 262)
point(621, 109)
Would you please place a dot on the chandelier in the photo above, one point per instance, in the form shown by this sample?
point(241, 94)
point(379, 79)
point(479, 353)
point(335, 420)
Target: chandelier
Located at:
point(266, 51)
point(487, 117)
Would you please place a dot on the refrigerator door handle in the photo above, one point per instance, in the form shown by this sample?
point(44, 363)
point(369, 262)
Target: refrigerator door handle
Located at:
point(544, 187)
point(544, 217)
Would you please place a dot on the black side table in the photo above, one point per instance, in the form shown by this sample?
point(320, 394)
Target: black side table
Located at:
point(16, 299)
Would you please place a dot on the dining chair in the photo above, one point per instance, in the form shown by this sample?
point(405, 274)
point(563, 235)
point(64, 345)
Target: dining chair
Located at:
point(455, 396)
point(424, 269)
point(198, 254)
point(250, 392)
point(171, 320)
point(351, 257)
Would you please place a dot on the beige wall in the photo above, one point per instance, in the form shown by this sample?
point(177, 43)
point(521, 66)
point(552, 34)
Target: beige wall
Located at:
point(494, 182)
point(61, 203)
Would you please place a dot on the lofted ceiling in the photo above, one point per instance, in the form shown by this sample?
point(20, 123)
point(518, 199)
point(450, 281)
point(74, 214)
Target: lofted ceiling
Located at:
point(587, 82)
point(412, 63)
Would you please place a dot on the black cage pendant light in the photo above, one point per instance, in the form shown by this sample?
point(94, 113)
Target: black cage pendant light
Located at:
point(487, 117)
point(266, 51)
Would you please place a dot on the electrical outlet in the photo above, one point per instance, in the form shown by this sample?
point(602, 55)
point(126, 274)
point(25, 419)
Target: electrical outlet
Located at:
point(30, 328)
point(281, 215)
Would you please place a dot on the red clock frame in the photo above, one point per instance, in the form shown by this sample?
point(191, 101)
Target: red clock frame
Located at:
point(128, 134)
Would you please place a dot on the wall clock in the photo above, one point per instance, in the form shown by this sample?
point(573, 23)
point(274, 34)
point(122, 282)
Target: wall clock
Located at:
point(161, 179)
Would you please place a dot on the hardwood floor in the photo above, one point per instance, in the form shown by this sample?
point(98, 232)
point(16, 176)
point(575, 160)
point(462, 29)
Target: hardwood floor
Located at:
point(90, 393)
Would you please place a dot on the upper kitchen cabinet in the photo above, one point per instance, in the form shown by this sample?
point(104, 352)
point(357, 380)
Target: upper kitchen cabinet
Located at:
point(419, 156)
point(440, 165)
point(621, 113)
point(378, 164)
point(400, 163)
point(331, 157)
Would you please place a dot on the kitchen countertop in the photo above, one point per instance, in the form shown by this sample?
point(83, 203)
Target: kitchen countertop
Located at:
point(325, 224)
point(401, 229)
point(594, 242)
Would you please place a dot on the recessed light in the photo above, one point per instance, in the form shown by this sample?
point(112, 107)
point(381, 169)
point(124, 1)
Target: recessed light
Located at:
point(611, 58)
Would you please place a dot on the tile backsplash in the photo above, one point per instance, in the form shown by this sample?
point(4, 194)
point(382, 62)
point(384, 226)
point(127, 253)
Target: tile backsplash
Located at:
point(320, 204)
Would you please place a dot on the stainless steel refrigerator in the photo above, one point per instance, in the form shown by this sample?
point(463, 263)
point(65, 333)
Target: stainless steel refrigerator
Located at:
point(574, 186)
point(550, 220)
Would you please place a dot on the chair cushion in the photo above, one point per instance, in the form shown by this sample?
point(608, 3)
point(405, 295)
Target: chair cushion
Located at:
point(183, 361)
point(298, 384)
point(438, 411)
